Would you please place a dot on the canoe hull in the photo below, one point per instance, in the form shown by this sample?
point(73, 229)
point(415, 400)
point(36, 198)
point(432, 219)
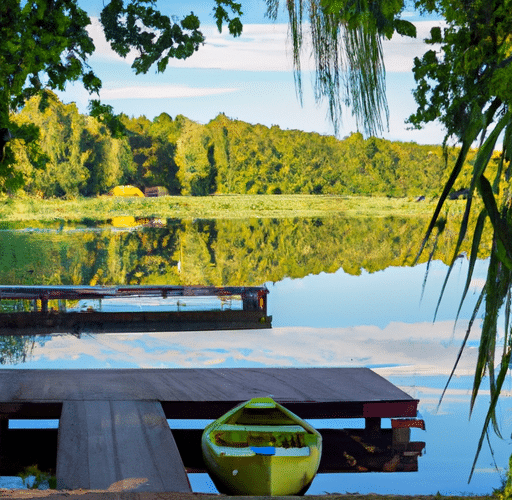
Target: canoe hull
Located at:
point(263, 475)
point(279, 456)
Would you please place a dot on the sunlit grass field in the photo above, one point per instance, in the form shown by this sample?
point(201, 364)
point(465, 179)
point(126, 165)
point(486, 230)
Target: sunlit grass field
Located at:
point(103, 208)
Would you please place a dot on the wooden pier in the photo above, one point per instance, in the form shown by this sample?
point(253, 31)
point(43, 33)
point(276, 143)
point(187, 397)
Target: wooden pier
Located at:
point(46, 309)
point(113, 427)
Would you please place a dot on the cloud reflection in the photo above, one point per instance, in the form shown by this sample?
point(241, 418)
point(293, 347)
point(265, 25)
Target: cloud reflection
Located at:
point(398, 349)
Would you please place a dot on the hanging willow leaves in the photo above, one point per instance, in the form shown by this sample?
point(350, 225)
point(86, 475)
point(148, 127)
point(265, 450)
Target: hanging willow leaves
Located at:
point(467, 87)
point(346, 45)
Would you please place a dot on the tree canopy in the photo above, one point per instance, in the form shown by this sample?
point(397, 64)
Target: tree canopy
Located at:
point(45, 44)
point(82, 157)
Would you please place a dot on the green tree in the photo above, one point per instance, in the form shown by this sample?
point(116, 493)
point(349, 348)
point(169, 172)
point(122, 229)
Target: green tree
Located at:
point(466, 85)
point(45, 44)
point(195, 173)
point(467, 88)
point(81, 156)
point(154, 147)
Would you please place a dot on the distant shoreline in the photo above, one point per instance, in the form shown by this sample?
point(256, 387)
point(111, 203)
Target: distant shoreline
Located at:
point(104, 208)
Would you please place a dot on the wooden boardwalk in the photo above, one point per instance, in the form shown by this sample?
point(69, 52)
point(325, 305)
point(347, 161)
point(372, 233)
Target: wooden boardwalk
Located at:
point(113, 422)
point(103, 442)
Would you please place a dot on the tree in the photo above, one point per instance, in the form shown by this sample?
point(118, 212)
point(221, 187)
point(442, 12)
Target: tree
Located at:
point(195, 173)
point(466, 85)
point(45, 44)
point(467, 88)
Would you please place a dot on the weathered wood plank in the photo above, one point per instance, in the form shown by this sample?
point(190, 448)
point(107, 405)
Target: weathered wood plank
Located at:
point(184, 384)
point(103, 442)
point(207, 393)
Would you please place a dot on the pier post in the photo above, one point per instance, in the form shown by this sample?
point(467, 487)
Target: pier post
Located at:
point(255, 300)
point(372, 426)
point(401, 438)
point(4, 428)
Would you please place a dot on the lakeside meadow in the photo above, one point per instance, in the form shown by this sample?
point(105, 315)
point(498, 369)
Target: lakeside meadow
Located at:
point(103, 208)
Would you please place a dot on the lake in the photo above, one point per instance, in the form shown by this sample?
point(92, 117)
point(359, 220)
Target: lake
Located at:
point(342, 293)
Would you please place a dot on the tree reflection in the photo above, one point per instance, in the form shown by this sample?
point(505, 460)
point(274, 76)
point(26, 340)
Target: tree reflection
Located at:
point(16, 349)
point(215, 252)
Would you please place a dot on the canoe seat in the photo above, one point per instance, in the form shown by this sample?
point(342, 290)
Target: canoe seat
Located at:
point(261, 428)
point(261, 436)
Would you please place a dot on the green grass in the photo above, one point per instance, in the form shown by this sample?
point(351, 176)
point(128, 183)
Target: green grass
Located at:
point(220, 206)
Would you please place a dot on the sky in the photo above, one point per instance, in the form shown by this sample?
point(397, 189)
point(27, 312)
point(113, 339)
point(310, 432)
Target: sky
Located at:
point(249, 78)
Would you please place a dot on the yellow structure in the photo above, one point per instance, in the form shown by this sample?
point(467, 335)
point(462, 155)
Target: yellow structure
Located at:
point(124, 221)
point(126, 191)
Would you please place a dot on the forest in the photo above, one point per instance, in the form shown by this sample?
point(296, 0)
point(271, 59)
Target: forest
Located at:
point(78, 155)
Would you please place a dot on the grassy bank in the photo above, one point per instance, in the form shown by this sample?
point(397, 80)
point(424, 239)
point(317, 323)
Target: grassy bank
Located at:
point(227, 206)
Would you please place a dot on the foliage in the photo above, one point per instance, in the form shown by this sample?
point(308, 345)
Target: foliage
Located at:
point(466, 86)
point(45, 44)
point(34, 479)
point(505, 492)
point(195, 173)
point(346, 39)
point(80, 155)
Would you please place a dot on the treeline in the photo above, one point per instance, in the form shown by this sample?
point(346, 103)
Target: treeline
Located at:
point(78, 155)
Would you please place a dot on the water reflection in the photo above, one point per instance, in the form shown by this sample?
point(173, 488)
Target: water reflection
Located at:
point(337, 296)
point(210, 252)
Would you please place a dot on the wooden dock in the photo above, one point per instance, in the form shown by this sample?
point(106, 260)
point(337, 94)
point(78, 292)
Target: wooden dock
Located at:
point(45, 309)
point(112, 423)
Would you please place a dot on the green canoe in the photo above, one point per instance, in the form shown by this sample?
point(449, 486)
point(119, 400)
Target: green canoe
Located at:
point(261, 448)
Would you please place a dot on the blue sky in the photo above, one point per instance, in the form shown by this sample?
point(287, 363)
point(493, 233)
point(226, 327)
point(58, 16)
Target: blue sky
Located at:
point(249, 78)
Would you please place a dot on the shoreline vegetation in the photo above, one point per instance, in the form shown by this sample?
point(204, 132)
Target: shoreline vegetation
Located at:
point(79, 155)
point(104, 208)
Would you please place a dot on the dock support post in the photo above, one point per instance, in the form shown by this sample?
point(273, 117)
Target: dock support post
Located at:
point(401, 438)
point(255, 301)
point(372, 426)
point(4, 428)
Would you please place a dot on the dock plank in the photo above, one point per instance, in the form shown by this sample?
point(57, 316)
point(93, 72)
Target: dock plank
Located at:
point(202, 384)
point(103, 442)
point(207, 393)
point(331, 392)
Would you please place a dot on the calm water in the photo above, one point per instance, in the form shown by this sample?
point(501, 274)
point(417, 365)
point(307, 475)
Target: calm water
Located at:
point(324, 317)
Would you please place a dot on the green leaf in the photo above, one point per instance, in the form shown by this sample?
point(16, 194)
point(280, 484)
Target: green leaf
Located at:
point(404, 28)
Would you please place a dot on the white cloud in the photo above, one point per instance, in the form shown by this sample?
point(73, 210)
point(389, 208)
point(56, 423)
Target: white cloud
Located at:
point(398, 349)
point(265, 47)
point(161, 92)
point(399, 52)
